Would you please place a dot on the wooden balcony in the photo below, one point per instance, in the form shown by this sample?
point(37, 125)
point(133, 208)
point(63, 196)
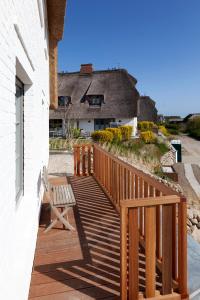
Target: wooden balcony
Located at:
point(130, 243)
point(84, 264)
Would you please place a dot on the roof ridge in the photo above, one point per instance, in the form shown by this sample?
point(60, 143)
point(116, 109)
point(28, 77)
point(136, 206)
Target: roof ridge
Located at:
point(94, 72)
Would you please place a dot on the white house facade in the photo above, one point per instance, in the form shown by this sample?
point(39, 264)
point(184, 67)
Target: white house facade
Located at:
point(92, 100)
point(24, 114)
point(90, 125)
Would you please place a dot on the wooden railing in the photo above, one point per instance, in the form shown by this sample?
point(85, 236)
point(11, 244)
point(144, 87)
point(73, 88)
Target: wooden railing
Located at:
point(83, 159)
point(153, 222)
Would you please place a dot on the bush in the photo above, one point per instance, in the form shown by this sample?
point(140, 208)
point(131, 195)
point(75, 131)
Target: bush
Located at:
point(146, 125)
point(148, 137)
point(173, 128)
point(126, 132)
point(163, 148)
point(76, 132)
point(193, 127)
point(102, 136)
point(117, 135)
point(163, 130)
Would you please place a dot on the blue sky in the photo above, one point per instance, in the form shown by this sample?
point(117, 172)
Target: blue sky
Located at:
point(157, 41)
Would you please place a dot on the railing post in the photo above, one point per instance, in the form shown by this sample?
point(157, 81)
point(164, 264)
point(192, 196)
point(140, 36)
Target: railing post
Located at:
point(174, 243)
point(133, 254)
point(89, 160)
point(78, 160)
point(150, 250)
point(123, 256)
point(167, 249)
point(83, 161)
point(182, 249)
point(75, 160)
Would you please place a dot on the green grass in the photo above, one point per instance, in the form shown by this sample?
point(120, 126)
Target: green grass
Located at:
point(65, 144)
point(148, 155)
point(163, 148)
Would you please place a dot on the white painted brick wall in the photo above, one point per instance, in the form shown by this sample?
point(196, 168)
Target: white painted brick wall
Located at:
point(131, 122)
point(89, 127)
point(19, 222)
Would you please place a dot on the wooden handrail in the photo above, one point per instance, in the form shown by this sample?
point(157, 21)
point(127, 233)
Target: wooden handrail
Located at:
point(160, 186)
point(83, 159)
point(153, 216)
point(150, 201)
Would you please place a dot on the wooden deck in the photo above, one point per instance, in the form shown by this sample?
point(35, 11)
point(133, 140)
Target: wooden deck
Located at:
point(84, 264)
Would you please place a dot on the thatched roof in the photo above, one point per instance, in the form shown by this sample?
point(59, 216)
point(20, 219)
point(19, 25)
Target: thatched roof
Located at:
point(56, 13)
point(117, 87)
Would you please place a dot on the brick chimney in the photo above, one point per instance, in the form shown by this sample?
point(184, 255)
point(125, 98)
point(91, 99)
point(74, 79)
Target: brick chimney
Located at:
point(86, 69)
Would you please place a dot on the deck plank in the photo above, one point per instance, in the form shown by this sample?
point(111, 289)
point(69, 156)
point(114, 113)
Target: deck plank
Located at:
point(83, 264)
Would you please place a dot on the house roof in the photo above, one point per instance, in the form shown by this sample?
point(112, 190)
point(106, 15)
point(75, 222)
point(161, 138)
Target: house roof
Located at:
point(56, 13)
point(191, 116)
point(117, 86)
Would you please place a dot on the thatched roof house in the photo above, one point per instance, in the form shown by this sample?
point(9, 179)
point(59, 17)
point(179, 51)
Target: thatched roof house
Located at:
point(147, 110)
point(116, 88)
point(95, 98)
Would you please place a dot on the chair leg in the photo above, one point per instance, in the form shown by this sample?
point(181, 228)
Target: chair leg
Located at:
point(62, 209)
point(60, 216)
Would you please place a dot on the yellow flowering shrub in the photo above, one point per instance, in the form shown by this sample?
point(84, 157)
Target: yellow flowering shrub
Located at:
point(126, 131)
point(117, 135)
point(103, 136)
point(146, 125)
point(148, 136)
point(163, 130)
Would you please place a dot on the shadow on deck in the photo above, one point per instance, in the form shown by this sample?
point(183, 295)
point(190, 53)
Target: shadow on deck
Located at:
point(84, 264)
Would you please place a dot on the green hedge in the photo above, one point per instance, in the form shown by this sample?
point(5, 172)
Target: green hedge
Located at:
point(173, 128)
point(193, 127)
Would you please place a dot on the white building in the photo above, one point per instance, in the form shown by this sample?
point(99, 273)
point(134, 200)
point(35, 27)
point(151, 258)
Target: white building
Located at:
point(29, 33)
point(92, 99)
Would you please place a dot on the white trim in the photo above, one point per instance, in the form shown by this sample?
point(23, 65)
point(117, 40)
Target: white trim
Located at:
point(40, 13)
point(23, 45)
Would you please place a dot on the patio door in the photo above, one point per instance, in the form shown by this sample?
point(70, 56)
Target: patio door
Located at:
point(19, 138)
point(102, 123)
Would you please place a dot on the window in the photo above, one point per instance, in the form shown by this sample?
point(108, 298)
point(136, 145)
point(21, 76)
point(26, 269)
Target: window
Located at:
point(64, 101)
point(19, 138)
point(55, 127)
point(55, 124)
point(102, 123)
point(95, 100)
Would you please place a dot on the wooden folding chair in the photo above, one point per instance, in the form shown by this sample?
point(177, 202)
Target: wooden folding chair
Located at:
point(60, 197)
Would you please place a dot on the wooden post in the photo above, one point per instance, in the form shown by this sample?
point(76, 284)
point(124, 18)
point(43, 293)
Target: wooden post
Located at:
point(78, 160)
point(89, 160)
point(123, 253)
point(83, 160)
point(150, 250)
point(133, 254)
point(182, 251)
point(136, 187)
point(167, 250)
point(75, 160)
point(174, 243)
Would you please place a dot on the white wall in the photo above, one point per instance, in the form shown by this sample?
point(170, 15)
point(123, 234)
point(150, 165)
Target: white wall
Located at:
point(87, 126)
point(131, 122)
point(23, 52)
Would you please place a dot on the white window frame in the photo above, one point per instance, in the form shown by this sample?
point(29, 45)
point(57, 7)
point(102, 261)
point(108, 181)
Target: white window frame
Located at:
point(19, 139)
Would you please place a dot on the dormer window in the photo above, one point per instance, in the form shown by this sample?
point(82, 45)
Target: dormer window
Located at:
point(64, 101)
point(95, 100)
